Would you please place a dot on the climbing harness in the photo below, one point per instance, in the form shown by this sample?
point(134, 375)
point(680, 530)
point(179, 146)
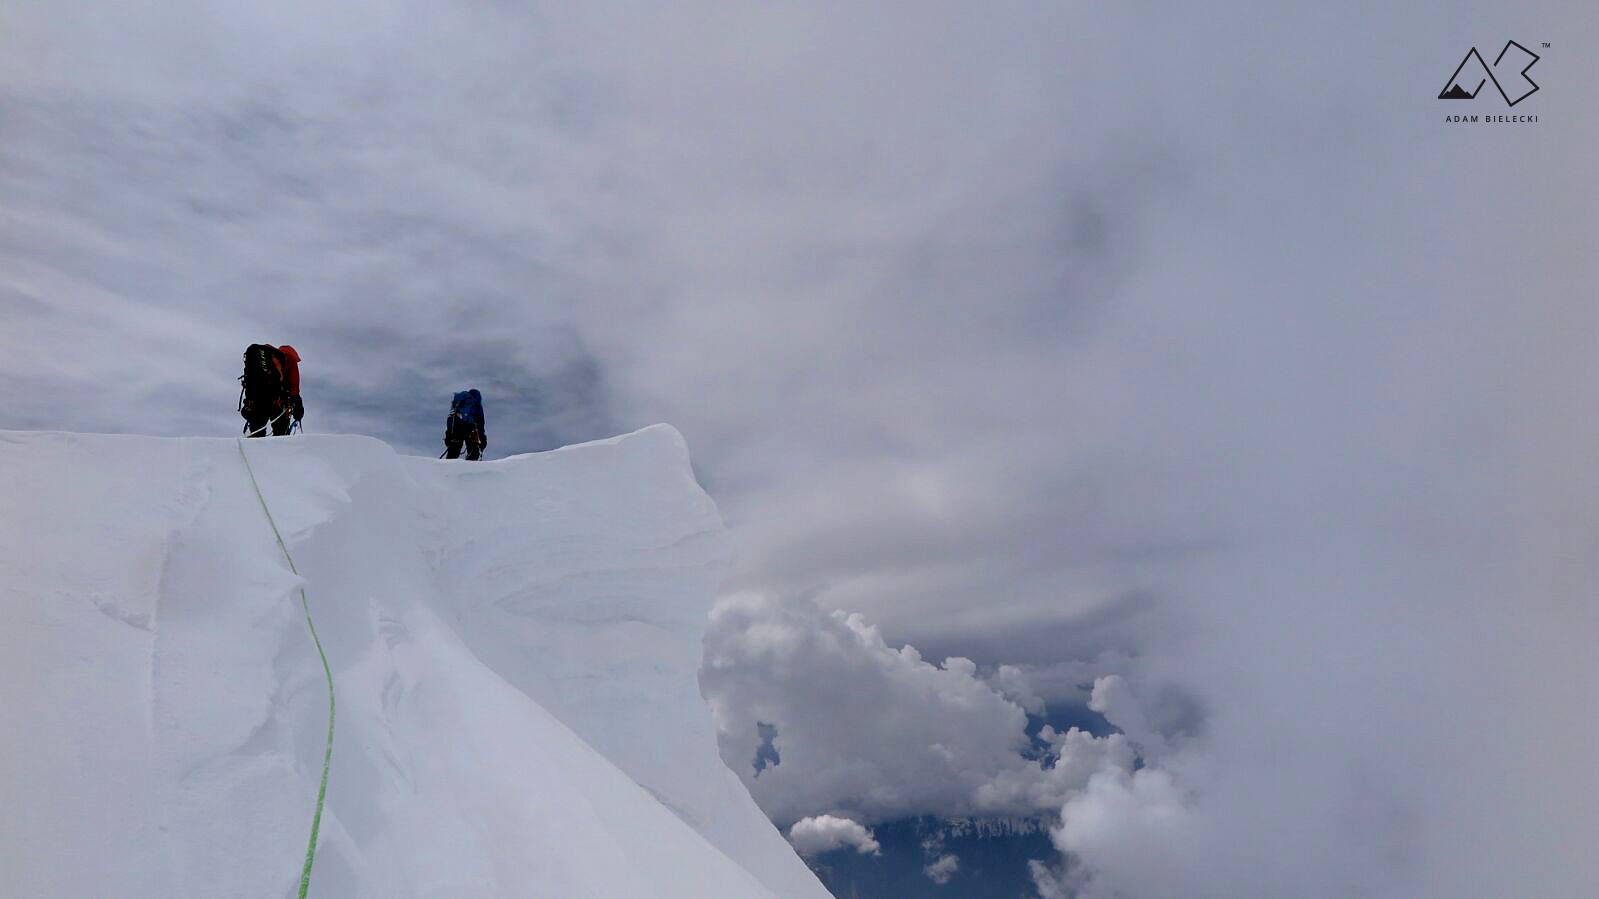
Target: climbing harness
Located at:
point(327, 753)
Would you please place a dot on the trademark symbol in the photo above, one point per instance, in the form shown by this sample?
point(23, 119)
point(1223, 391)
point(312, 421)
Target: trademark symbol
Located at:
point(1545, 45)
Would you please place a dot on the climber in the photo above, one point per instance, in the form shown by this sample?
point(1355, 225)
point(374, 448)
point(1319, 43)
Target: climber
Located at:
point(465, 426)
point(269, 390)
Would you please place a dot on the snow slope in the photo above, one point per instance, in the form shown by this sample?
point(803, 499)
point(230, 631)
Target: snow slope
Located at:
point(514, 645)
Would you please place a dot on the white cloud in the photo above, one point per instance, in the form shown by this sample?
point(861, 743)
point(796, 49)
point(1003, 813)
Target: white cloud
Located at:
point(1118, 822)
point(873, 730)
point(1074, 756)
point(1113, 698)
point(943, 869)
point(1012, 682)
point(1050, 880)
point(824, 833)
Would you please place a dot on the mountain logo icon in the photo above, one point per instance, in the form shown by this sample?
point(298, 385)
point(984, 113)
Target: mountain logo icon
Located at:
point(1510, 68)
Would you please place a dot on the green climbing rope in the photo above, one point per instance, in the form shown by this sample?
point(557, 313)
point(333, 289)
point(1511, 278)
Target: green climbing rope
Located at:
point(327, 753)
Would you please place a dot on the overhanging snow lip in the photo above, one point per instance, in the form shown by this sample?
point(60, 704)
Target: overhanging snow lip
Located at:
point(659, 429)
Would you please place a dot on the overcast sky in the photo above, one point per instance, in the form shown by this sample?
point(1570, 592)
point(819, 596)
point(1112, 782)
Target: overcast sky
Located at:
point(1188, 349)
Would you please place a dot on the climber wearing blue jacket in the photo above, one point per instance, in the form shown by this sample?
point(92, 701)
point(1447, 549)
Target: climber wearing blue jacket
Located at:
point(465, 427)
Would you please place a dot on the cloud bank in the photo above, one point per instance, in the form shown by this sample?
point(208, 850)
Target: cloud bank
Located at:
point(874, 732)
point(1182, 345)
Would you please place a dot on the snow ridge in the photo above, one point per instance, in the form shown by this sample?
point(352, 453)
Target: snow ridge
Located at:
point(514, 644)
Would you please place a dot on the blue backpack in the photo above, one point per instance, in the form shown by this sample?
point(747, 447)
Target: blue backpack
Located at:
point(468, 406)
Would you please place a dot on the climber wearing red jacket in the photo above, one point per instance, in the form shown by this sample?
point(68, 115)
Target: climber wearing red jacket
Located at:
point(269, 390)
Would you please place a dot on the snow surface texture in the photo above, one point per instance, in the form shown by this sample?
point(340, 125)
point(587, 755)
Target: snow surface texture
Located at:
point(514, 644)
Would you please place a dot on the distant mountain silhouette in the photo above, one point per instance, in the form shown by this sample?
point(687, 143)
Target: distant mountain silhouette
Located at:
point(1457, 93)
